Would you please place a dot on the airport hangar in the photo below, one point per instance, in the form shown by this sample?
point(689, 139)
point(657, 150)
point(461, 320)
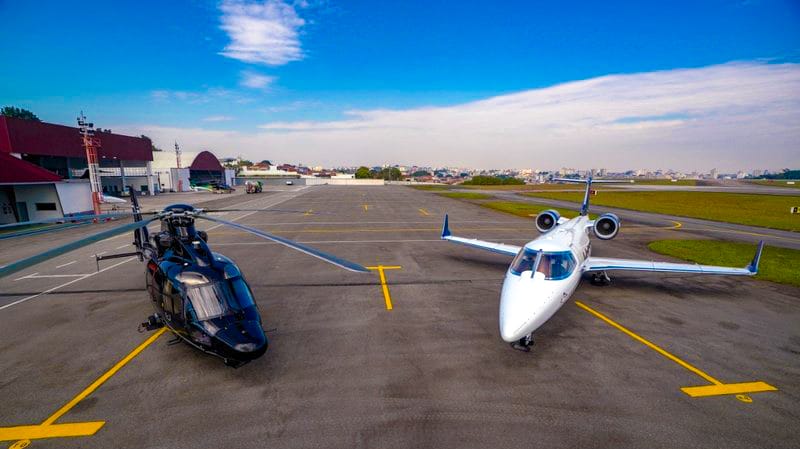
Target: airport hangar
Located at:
point(44, 171)
point(200, 167)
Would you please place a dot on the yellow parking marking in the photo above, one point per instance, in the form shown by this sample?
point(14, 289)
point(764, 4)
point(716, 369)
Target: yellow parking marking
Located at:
point(386, 296)
point(82, 429)
point(308, 212)
point(366, 207)
point(49, 430)
point(718, 388)
point(423, 212)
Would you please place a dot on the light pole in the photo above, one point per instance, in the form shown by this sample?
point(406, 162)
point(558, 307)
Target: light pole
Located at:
point(92, 144)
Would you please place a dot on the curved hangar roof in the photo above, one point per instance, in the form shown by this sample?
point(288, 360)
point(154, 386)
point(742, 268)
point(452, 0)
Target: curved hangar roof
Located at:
point(204, 160)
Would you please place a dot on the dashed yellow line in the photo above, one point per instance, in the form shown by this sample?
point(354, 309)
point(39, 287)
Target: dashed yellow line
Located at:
point(49, 430)
point(386, 296)
point(423, 212)
point(718, 387)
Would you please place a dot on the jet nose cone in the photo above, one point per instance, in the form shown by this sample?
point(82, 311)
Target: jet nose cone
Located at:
point(515, 311)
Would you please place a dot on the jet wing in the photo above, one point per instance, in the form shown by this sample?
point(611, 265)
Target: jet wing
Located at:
point(609, 264)
point(500, 248)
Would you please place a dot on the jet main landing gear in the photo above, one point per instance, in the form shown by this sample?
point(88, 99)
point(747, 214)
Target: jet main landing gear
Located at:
point(600, 278)
point(523, 344)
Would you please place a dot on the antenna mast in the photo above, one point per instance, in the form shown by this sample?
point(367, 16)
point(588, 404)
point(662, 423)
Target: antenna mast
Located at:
point(178, 164)
point(92, 144)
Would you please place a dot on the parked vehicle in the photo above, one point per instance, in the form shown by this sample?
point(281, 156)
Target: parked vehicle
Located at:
point(253, 187)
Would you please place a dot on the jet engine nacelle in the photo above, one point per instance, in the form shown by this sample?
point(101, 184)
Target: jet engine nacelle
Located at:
point(606, 227)
point(547, 220)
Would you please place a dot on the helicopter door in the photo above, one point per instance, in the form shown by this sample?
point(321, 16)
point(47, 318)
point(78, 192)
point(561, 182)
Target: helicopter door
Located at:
point(154, 279)
point(173, 305)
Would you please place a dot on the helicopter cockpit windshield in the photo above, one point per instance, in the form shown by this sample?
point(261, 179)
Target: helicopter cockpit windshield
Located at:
point(555, 265)
point(218, 298)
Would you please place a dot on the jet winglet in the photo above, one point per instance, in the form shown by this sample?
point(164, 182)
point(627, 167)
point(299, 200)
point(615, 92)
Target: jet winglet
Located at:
point(446, 228)
point(753, 267)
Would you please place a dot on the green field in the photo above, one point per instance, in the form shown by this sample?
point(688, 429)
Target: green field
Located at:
point(526, 210)
point(776, 183)
point(771, 211)
point(467, 195)
point(777, 264)
point(526, 187)
point(430, 187)
point(666, 182)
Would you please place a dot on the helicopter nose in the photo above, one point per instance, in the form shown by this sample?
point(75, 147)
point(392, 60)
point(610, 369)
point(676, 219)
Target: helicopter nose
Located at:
point(246, 339)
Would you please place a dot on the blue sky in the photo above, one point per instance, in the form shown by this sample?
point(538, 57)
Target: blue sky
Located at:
point(246, 68)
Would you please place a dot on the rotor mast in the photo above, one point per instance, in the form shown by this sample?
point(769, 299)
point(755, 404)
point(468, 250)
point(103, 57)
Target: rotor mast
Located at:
point(91, 144)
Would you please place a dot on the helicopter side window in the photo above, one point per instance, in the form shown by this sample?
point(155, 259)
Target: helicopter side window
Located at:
point(242, 293)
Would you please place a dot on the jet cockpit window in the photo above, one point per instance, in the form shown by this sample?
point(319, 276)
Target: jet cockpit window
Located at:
point(523, 261)
point(557, 266)
point(554, 265)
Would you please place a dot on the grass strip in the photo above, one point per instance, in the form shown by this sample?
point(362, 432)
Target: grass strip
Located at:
point(777, 264)
point(467, 195)
point(526, 210)
point(770, 211)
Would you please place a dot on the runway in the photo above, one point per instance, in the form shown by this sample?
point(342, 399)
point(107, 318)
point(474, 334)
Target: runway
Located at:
point(407, 356)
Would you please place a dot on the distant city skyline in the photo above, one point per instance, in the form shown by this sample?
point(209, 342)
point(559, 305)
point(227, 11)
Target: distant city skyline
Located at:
point(680, 85)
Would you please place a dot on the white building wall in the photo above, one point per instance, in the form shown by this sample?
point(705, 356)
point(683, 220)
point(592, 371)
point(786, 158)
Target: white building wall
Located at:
point(75, 197)
point(229, 175)
point(30, 194)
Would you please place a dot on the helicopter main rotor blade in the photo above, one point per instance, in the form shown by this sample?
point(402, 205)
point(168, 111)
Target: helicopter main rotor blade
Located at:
point(41, 257)
point(45, 230)
point(69, 219)
point(347, 265)
point(286, 211)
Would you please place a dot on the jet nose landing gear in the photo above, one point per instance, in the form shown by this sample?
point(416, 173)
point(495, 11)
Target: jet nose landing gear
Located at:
point(524, 344)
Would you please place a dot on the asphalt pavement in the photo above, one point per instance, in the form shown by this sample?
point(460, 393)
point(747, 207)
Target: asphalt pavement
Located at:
point(415, 363)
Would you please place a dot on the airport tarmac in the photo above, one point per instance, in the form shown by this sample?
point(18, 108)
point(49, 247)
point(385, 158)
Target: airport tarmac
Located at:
point(416, 362)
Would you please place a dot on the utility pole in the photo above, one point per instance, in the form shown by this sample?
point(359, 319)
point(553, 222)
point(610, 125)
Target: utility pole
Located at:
point(91, 144)
point(178, 164)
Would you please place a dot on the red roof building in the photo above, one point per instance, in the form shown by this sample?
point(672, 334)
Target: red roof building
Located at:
point(17, 171)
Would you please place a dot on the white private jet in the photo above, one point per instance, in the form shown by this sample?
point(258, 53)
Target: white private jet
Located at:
point(546, 271)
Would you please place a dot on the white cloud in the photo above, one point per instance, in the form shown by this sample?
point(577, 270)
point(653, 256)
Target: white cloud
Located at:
point(199, 97)
point(261, 32)
point(218, 118)
point(730, 116)
point(255, 80)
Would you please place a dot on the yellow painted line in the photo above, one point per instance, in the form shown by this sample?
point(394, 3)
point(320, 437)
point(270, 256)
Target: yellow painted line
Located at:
point(102, 379)
point(718, 388)
point(647, 343)
point(386, 296)
point(366, 207)
point(309, 212)
point(82, 429)
point(423, 212)
point(49, 430)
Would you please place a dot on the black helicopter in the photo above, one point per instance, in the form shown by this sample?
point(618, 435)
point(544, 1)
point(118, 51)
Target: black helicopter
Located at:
point(200, 295)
